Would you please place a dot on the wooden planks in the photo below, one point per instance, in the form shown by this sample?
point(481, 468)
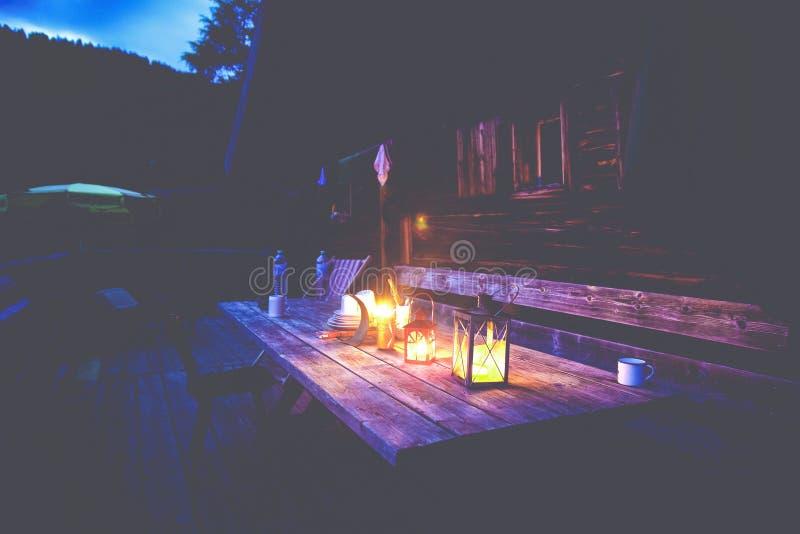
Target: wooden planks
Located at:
point(165, 492)
point(740, 324)
point(433, 403)
point(383, 422)
point(104, 437)
point(477, 159)
point(396, 407)
point(585, 242)
point(541, 387)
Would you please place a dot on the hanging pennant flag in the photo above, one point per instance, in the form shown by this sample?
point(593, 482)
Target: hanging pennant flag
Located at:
point(322, 180)
point(382, 164)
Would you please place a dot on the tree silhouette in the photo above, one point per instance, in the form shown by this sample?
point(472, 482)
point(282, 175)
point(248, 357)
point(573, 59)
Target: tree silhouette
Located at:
point(79, 112)
point(220, 53)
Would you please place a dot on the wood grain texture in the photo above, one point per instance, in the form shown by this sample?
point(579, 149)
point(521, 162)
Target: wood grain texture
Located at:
point(750, 391)
point(398, 408)
point(566, 150)
point(384, 423)
point(735, 323)
point(591, 237)
point(477, 153)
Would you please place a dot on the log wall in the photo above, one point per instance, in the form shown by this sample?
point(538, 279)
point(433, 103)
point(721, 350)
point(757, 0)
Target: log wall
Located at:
point(587, 237)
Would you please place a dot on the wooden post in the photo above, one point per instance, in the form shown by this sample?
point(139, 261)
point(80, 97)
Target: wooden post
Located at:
point(460, 163)
point(406, 232)
point(538, 150)
point(618, 125)
point(566, 168)
point(381, 201)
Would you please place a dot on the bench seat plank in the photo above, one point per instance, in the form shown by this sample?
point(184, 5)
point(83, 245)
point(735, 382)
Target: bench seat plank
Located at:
point(734, 323)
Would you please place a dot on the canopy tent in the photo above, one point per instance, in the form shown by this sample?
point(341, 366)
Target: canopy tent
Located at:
point(114, 204)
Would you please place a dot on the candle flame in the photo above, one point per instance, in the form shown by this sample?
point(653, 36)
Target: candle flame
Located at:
point(384, 311)
point(420, 349)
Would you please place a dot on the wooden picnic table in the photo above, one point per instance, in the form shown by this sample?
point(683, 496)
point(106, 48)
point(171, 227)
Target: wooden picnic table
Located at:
point(399, 408)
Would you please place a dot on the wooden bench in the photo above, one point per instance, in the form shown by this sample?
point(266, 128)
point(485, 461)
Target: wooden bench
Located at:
point(740, 410)
point(708, 327)
point(734, 323)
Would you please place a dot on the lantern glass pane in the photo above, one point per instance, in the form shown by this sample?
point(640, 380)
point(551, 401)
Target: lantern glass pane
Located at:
point(421, 345)
point(461, 336)
point(489, 352)
point(431, 345)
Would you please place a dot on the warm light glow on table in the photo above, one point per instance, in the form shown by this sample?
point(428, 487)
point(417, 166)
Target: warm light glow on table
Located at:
point(401, 318)
point(383, 311)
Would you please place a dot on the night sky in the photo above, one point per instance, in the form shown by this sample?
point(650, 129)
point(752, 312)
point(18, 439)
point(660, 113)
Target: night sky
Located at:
point(157, 29)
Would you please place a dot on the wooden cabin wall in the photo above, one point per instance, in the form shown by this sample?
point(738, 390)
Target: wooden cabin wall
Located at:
point(593, 230)
point(597, 233)
point(585, 237)
point(676, 201)
point(477, 157)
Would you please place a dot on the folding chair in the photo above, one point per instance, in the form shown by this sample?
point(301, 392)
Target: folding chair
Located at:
point(344, 273)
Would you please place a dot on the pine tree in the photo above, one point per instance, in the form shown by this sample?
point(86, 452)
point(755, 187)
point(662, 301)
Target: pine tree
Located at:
point(220, 53)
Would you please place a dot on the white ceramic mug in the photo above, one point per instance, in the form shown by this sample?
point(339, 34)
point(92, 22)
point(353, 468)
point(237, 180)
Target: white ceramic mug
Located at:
point(631, 371)
point(276, 306)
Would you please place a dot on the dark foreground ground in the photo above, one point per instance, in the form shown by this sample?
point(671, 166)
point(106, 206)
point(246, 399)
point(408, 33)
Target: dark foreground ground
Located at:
point(96, 436)
point(99, 441)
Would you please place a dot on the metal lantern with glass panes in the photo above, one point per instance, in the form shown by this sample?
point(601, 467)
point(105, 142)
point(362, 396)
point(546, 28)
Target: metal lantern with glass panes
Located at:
point(420, 337)
point(481, 345)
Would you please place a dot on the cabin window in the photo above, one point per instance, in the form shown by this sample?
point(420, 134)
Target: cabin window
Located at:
point(536, 155)
point(577, 148)
point(596, 129)
point(477, 155)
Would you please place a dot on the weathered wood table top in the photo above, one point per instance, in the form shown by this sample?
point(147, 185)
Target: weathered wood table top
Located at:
point(398, 407)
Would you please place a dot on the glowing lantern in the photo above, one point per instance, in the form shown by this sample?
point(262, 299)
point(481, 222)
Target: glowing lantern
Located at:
point(420, 338)
point(480, 345)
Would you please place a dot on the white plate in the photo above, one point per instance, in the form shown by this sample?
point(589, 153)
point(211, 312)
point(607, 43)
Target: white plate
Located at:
point(343, 325)
point(334, 321)
point(338, 315)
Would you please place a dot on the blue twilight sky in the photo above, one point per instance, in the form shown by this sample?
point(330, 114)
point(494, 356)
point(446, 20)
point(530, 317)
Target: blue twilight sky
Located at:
point(157, 29)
